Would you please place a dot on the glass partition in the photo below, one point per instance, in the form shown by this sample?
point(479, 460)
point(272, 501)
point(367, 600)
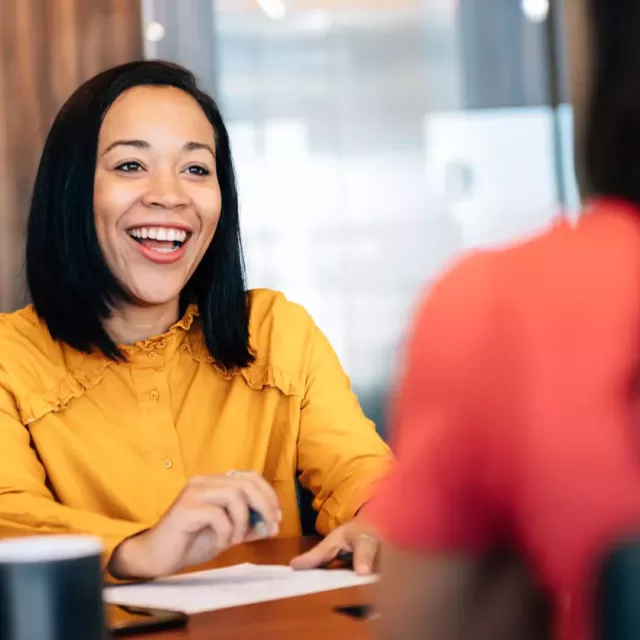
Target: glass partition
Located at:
point(375, 141)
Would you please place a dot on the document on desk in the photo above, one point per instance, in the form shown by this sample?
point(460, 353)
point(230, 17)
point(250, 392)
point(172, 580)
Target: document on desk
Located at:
point(231, 587)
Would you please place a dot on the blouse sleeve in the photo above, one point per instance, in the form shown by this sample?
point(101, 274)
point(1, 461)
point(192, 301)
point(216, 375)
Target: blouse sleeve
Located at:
point(340, 455)
point(27, 506)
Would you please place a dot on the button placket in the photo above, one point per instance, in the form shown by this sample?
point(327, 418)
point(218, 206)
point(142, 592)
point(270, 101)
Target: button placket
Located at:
point(158, 422)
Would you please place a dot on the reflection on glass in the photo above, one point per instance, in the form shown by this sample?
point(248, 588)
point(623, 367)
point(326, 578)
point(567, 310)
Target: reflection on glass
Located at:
point(363, 170)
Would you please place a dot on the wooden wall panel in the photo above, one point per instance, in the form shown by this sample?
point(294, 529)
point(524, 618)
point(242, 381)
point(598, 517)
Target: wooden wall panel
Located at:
point(47, 48)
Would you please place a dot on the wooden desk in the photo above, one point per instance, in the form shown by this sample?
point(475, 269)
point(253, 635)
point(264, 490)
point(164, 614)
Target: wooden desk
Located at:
point(305, 618)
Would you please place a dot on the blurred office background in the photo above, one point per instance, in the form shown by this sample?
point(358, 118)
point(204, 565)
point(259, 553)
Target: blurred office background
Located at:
point(375, 140)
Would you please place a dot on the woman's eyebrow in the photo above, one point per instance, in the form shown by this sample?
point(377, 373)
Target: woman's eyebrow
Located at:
point(195, 146)
point(138, 144)
point(143, 144)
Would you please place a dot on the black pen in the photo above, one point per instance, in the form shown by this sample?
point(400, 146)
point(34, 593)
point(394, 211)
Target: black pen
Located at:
point(345, 557)
point(257, 523)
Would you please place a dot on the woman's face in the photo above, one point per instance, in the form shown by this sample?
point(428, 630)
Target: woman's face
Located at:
point(156, 200)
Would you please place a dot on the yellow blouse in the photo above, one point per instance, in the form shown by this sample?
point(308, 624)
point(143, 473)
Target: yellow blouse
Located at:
point(92, 446)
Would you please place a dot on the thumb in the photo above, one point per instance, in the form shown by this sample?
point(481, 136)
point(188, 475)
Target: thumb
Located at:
point(323, 553)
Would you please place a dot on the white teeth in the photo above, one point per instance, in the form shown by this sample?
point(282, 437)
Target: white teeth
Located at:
point(165, 249)
point(162, 234)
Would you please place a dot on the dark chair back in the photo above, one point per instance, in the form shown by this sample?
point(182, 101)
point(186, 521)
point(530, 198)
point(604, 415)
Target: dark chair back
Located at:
point(305, 508)
point(507, 602)
point(618, 594)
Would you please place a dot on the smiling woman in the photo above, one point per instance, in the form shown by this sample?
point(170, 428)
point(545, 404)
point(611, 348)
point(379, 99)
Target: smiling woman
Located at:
point(141, 147)
point(152, 183)
point(146, 397)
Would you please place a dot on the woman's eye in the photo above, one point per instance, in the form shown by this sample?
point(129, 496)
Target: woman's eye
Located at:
point(196, 170)
point(129, 167)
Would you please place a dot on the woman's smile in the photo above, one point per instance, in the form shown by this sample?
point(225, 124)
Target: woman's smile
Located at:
point(160, 244)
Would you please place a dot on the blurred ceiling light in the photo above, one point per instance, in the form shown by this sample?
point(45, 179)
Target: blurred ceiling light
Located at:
point(536, 10)
point(155, 32)
point(275, 9)
point(318, 20)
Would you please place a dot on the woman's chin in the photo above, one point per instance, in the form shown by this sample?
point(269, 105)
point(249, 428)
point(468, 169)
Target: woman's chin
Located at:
point(153, 287)
point(148, 297)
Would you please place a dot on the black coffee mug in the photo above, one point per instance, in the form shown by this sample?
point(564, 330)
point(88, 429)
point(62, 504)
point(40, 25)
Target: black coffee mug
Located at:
point(51, 589)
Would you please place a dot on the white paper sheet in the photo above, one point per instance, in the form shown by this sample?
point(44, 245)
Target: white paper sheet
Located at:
point(231, 587)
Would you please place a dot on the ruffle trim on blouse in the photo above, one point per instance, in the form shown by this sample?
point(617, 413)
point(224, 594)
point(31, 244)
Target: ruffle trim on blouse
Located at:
point(257, 375)
point(36, 405)
point(90, 371)
point(160, 342)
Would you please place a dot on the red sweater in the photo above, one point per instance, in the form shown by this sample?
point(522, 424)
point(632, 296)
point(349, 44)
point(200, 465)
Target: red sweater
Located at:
point(515, 417)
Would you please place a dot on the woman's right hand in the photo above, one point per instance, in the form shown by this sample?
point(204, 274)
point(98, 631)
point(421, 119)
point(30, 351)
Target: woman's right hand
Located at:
point(210, 515)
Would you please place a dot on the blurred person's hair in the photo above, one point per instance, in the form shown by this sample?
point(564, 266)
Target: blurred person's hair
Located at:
point(612, 149)
point(71, 286)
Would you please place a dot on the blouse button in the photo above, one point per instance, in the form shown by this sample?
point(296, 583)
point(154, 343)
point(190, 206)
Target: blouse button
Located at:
point(153, 355)
point(154, 395)
point(167, 464)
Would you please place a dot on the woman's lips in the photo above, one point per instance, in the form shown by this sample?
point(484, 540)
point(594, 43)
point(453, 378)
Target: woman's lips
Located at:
point(160, 252)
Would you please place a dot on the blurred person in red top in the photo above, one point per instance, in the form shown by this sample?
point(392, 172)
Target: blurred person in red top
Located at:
point(517, 421)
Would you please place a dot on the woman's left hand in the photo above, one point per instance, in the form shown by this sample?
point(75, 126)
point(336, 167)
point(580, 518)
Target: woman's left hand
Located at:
point(356, 536)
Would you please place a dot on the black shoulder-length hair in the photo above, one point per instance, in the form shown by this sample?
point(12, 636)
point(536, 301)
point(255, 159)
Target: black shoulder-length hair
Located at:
point(612, 144)
point(72, 289)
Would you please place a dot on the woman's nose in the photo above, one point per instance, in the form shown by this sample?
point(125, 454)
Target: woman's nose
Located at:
point(165, 190)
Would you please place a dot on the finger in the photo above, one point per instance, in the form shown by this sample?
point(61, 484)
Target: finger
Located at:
point(267, 490)
point(320, 555)
point(222, 526)
point(247, 487)
point(254, 535)
point(238, 511)
point(245, 478)
point(263, 499)
point(365, 550)
point(232, 499)
point(197, 518)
